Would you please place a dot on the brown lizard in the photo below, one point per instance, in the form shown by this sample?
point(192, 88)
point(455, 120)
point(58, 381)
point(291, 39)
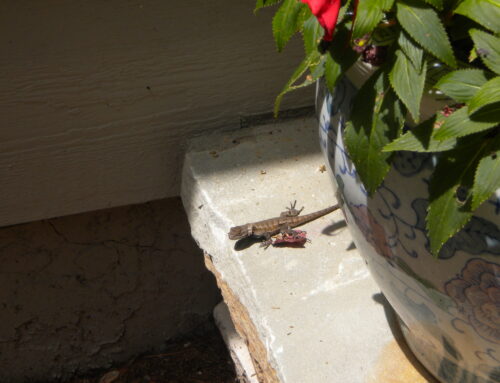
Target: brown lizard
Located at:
point(284, 223)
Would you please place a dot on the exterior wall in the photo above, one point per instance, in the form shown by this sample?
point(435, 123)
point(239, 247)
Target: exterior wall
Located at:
point(97, 97)
point(84, 291)
point(97, 101)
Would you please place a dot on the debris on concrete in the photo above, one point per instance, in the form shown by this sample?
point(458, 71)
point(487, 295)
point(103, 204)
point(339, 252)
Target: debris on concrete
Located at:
point(331, 325)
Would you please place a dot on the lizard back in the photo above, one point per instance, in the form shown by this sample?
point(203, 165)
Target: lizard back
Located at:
point(273, 226)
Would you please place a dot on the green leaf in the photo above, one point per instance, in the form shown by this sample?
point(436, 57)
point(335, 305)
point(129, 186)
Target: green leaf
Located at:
point(384, 36)
point(408, 83)
point(304, 15)
point(487, 95)
point(421, 139)
point(343, 11)
point(488, 47)
point(311, 60)
point(460, 124)
point(311, 34)
point(368, 15)
point(339, 59)
point(333, 70)
point(286, 22)
point(438, 4)
point(487, 179)
point(413, 51)
point(423, 24)
point(435, 73)
point(462, 85)
point(378, 119)
point(317, 69)
point(448, 211)
point(386, 5)
point(264, 3)
point(484, 12)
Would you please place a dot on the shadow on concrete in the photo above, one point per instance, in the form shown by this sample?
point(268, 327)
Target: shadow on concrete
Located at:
point(331, 229)
point(245, 243)
point(392, 319)
point(334, 227)
point(234, 151)
point(352, 246)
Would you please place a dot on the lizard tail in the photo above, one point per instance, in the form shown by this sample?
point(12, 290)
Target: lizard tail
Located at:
point(302, 219)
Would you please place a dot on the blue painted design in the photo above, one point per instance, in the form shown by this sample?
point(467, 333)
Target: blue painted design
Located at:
point(390, 230)
point(488, 354)
point(419, 310)
point(338, 109)
point(495, 203)
point(408, 164)
point(479, 236)
point(401, 227)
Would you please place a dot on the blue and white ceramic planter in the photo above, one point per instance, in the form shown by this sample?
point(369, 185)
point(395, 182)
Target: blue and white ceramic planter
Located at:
point(449, 308)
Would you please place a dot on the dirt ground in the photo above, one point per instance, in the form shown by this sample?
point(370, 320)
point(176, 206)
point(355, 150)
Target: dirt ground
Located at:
point(200, 357)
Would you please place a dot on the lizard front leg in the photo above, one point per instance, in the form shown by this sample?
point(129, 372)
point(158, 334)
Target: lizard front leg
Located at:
point(291, 211)
point(286, 229)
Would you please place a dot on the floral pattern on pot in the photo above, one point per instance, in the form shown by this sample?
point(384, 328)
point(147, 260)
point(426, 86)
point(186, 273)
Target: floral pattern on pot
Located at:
point(372, 230)
point(477, 294)
point(449, 307)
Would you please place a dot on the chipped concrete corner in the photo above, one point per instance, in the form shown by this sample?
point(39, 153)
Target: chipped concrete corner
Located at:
point(82, 292)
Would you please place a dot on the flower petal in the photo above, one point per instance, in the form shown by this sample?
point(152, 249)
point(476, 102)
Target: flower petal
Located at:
point(329, 19)
point(316, 6)
point(327, 12)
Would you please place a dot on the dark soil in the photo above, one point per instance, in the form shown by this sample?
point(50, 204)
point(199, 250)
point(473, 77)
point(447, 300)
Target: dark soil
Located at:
point(201, 357)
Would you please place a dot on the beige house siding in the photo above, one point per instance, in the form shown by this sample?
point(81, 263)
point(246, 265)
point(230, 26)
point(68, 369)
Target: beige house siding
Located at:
point(97, 98)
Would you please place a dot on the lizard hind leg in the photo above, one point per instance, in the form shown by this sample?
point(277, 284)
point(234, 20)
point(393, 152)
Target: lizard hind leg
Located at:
point(267, 241)
point(291, 211)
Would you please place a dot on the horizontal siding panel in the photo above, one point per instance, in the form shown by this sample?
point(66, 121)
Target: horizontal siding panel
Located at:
point(97, 99)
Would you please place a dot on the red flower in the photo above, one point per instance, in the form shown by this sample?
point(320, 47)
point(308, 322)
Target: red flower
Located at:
point(326, 11)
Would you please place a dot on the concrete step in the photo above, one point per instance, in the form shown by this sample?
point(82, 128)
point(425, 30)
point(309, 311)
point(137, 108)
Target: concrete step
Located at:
point(311, 314)
point(237, 346)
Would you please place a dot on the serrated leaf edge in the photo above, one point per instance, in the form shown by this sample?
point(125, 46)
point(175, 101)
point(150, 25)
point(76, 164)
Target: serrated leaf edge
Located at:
point(440, 7)
point(424, 67)
point(455, 71)
point(479, 32)
point(440, 246)
point(472, 107)
point(439, 135)
point(486, 25)
point(468, 218)
point(265, 6)
point(296, 4)
point(454, 63)
point(475, 203)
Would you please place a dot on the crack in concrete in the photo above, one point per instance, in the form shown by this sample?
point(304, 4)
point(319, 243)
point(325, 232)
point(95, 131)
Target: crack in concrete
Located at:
point(91, 284)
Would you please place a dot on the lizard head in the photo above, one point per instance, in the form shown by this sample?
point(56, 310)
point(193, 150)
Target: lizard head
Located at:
point(239, 232)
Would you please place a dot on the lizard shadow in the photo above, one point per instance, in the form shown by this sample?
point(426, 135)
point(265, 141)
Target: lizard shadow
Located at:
point(245, 243)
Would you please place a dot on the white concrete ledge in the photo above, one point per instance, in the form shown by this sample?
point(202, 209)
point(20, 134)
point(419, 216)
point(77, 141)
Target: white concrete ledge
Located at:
point(317, 312)
point(245, 370)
